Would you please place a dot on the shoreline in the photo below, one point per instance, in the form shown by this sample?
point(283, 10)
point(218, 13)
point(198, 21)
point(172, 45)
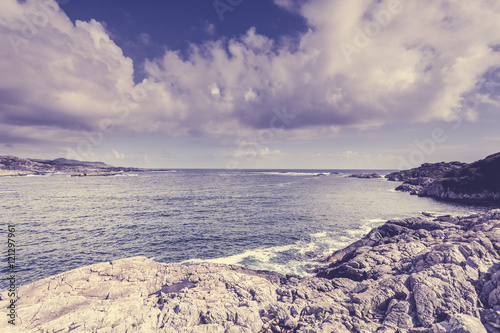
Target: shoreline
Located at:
point(421, 274)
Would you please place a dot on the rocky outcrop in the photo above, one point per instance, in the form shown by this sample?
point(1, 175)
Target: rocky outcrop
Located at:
point(440, 273)
point(366, 175)
point(15, 166)
point(420, 274)
point(426, 170)
point(478, 181)
point(439, 190)
point(475, 182)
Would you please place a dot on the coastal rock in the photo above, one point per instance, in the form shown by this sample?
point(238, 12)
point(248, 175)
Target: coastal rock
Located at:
point(424, 274)
point(444, 267)
point(414, 185)
point(426, 170)
point(438, 190)
point(365, 175)
point(475, 182)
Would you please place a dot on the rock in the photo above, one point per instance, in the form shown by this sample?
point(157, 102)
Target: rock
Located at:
point(365, 175)
point(436, 298)
point(426, 170)
point(475, 182)
point(460, 323)
point(413, 189)
point(445, 264)
point(414, 185)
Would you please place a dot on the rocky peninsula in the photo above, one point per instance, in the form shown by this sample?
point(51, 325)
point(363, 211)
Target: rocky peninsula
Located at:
point(475, 182)
point(426, 274)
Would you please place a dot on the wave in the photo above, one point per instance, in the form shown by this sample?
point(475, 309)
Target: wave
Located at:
point(298, 258)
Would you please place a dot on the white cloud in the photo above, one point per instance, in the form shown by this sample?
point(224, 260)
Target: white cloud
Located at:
point(253, 153)
point(145, 38)
point(210, 28)
point(117, 155)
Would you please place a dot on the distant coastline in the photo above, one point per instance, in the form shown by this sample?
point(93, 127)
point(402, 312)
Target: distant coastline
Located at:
point(16, 166)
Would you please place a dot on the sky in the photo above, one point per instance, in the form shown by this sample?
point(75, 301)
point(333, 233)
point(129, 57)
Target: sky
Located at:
point(298, 84)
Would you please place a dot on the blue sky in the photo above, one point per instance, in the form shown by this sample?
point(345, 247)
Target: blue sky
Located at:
point(250, 84)
point(144, 30)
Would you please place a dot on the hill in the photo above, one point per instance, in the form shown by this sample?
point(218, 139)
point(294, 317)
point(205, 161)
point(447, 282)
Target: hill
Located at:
point(16, 166)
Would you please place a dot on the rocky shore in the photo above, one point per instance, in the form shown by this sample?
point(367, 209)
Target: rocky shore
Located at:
point(428, 274)
point(474, 182)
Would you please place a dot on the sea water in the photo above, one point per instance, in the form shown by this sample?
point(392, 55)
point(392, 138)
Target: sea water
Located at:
point(279, 220)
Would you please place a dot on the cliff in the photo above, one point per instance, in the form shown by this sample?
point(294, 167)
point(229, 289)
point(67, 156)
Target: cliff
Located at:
point(424, 274)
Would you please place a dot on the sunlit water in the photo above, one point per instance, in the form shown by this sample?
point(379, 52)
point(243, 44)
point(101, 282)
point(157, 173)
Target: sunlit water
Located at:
point(272, 220)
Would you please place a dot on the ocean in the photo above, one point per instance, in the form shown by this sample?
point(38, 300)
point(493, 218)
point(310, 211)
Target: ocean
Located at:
point(278, 220)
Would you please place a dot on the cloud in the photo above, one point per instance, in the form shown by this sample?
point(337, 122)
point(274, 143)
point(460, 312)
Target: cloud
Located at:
point(56, 75)
point(291, 5)
point(210, 28)
point(117, 155)
point(145, 38)
point(408, 63)
point(264, 153)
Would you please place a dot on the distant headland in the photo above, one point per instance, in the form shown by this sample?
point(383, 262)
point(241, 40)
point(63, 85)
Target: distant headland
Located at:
point(16, 166)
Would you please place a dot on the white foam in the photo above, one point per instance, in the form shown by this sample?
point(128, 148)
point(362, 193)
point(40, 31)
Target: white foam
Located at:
point(377, 220)
point(262, 254)
point(319, 234)
point(304, 252)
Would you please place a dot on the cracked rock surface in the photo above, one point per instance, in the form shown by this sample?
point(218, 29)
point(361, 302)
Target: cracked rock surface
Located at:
point(425, 274)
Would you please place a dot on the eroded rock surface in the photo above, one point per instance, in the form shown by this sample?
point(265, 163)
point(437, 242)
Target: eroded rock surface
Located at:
point(425, 274)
